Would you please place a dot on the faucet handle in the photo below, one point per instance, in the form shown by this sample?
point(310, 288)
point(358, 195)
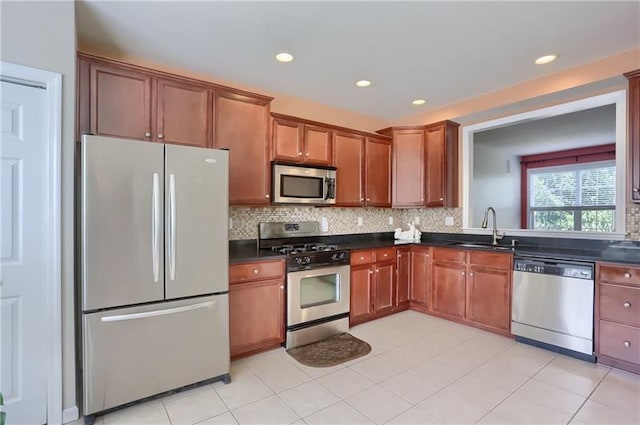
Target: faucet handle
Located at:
point(500, 235)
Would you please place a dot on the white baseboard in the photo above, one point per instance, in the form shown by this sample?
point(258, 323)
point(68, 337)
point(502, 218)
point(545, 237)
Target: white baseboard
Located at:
point(70, 414)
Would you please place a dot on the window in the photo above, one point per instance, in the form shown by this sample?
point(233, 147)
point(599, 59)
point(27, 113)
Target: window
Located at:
point(570, 190)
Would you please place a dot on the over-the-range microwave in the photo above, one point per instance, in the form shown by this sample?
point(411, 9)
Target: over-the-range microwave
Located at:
point(303, 184)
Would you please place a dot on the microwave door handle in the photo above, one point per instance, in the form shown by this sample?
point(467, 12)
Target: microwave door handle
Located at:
point(331, 189)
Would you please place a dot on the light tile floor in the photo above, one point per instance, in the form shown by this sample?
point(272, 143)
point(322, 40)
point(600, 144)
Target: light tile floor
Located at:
point(421, 370)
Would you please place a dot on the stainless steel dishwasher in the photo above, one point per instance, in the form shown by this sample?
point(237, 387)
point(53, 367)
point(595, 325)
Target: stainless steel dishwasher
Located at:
point(552, 305)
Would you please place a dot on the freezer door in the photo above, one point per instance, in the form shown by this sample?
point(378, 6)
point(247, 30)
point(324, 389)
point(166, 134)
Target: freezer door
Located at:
point(122, 200)
point(197, 253)
point(137, 352)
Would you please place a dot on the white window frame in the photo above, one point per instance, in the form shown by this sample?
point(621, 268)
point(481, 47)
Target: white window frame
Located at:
point(618, 98)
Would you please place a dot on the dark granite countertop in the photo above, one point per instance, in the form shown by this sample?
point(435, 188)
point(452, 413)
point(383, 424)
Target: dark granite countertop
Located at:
point(557, 248)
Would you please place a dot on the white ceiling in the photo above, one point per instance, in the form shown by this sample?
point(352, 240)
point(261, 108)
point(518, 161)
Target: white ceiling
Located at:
point(440, 51)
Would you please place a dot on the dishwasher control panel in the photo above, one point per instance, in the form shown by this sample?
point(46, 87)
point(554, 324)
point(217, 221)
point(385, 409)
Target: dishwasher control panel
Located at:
point(554, 268)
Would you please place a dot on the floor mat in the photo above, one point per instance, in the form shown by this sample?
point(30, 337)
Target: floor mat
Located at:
point(330, 352)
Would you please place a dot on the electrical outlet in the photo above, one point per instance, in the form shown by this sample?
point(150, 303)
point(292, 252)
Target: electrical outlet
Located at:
point(324, 224)
point(390, 220)
point(230, 223)
point(448, 221)
point(359, 221)
point(416, 220)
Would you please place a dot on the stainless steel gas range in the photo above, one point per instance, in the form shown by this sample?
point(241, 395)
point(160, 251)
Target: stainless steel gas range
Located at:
point(318, 285)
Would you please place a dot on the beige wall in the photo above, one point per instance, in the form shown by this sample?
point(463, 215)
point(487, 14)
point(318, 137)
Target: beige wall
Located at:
point(42, 35)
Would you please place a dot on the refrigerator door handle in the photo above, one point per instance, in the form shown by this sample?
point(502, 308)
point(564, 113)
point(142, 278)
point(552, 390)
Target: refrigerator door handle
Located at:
point(146, 314)
point(172, 227)
point(155, 227)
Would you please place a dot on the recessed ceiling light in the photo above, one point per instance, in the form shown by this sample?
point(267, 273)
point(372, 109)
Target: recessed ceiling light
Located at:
point(419, 102)
point(545, 59)
point(284, 57)
point(363, 83)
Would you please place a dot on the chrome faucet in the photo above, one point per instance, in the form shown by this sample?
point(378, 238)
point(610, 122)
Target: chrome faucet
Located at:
point(496, 236)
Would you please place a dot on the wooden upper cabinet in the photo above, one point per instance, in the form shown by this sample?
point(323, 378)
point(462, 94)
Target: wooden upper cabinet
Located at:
point(348, 157)
point(287, 140)
point(182, 113)
point(119, 102)
point(377, 183)
point(317, 145)
point(294, 140)
point(441, 164)
point(408, 168)
point(241, 124)
point(634, 133)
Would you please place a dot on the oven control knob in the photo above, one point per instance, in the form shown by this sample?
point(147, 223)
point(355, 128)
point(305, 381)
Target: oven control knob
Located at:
point(299, 260)
point(307, 260)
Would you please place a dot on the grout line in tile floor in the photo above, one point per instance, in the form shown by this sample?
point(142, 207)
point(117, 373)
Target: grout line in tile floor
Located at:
point(589, 396)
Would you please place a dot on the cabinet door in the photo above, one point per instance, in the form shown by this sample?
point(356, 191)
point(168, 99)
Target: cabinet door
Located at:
point(242, 126)
point(348, 158)
point(317, 145)
point(489, 297)
point(408, 168)
point(434, 166)
point(448, 289)
point(377, 173)
point(403, 273)
point(256, 315)
point(361, 294)
point(182, 114)
point(420, 264)
point(384, 294)
point(120, 103)
point(634, 134)
point(287, 140)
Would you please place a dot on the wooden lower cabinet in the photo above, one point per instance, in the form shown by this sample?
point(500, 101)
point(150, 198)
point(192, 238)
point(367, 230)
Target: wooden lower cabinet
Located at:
point(403, 280)
point(256, 307)
point(361, 294)
point(618, 315)
point(384, 291)
point(420, 278)
point(373, 284)
point(489, 297)
point(472, 287)
point(448, 289)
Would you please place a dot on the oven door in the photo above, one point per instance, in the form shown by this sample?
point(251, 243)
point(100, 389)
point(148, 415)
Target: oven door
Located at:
point(317, 293)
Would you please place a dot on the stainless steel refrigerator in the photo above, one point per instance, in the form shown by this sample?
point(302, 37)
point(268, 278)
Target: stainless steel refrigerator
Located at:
point(154, 269)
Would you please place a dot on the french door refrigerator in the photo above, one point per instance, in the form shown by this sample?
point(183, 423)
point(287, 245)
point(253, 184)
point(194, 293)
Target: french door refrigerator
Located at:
point(154, 269)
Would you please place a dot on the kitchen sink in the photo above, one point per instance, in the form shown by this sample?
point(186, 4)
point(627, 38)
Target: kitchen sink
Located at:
point(481, 245)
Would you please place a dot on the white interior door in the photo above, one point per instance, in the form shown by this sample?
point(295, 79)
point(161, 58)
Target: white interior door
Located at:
point(23, 256)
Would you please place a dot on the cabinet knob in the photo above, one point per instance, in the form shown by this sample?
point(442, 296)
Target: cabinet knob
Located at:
point(147, 134)
point(399, 255)
point(462, 273)
point(361, 199)
point(385, 255)
point(636, 189)
point(471, 274)
point(299, 153)
point(368, 199)
point(370, 271)
point(627, 344)
point(377, 270)
point(266, 196)
point(256, 271)
point(626, 304)
point(422, 200)
point(160, 136)
point(362, 258)
point(442, 199)
point(281, 286)
point(627, 275)
point(307, 154)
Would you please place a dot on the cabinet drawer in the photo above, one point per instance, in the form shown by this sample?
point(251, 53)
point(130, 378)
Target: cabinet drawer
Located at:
point(620, 304)
point(448, 254)
point(620, 341)
point(244, 272)
point(361, 257)
point(385, 254)
point(491, 259)
point(621, 273)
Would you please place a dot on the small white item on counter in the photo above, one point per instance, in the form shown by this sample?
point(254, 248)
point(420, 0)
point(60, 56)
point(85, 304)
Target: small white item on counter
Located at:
point(412, 234)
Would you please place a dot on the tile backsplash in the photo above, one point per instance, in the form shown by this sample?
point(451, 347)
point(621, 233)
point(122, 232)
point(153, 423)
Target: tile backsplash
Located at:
point(345, 220)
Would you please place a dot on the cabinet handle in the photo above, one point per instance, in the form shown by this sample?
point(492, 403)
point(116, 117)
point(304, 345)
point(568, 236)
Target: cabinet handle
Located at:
point(266, 196)
point(160, 136)
point(626, 304)
point(147, 134)
point(627, 275)
point(256, 271)
point(299, 153)
point(627, 344)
